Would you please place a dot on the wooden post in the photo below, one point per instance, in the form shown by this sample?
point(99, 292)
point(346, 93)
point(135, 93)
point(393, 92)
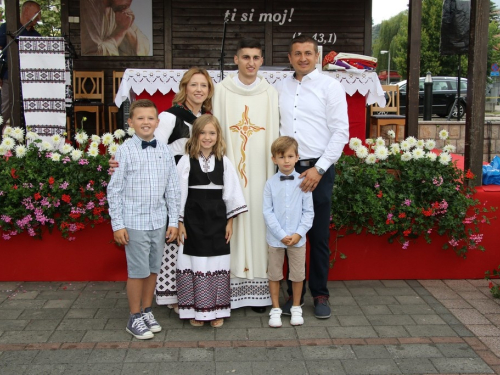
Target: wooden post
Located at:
point(12, 18)
point(413, 59)
point(476, 83)
point(167, 33)
point(268, 44)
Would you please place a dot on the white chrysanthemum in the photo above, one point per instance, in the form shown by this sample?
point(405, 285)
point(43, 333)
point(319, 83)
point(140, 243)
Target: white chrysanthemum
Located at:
point(119, 134)
point(369, 141)
point(66, 148)
point(406, 156)
point(418, 153)
point(17, 133)
point(56, 156)
point(354, 143)
point(46, 146)
point(382, 152)
point(93, 152)
point(379, 142)
point(412, 141)
point(8, 143)
point(391, 134)
point(395, 148)
point(81, 137)
point(130, 131)
point(3, 150)
point(7, 131)
point(449, 148)
point(76, 155)
point(420, 143)
point(430, 144)
point(94, 145)
point(371, 159)
point(431, 156)
point(112, 149)
point(32, 136)
point(445, 158)
point(443, 134)
point(405, 145)
point(107, 139)
point(20, 151)
point(56, 138)
point(95, 139)
point(362, 152)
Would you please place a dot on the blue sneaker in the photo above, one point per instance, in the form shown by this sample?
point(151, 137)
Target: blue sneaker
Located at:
point(150, 321)
point(288, 305)
point(137, 328)
point(322, 307)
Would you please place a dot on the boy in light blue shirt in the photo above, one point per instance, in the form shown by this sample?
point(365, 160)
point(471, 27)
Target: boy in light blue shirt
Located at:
point(288, 214)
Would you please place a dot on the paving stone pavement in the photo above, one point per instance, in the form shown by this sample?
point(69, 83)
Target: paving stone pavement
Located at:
point(376, 327)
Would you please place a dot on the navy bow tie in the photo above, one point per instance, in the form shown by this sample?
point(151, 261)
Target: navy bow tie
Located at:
point(283, 178)
point(151, 143)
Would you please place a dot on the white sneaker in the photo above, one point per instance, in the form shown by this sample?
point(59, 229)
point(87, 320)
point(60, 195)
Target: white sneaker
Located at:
point(275, 318)
point(297, 319)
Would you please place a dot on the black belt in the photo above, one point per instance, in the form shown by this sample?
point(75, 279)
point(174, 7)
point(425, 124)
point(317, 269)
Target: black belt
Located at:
point(308, 162)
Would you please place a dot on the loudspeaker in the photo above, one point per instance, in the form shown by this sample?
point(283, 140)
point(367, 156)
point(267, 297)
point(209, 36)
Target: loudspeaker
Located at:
point(455, 27)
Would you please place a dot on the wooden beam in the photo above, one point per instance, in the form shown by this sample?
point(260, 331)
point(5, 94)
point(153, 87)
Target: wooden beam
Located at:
point(65, 18)
point(476, 83)
point(268, 44)
point(368, 28)
point(413, 62)
point(12, 18)
point(167, 33)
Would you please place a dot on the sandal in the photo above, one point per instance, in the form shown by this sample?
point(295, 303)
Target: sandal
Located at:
point(196, 323)
point(175, 307)
point(217, 323)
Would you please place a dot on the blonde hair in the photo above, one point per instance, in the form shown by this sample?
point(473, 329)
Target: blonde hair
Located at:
point(282, 144)
point(180, 97)
point(193, 144)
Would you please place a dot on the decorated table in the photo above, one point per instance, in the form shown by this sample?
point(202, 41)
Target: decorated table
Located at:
point(362, 89)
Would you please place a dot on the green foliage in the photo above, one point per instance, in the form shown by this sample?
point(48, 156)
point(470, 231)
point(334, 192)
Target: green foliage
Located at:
point(50, 24)
point(49, 183)
point(406, 194)
point(494, 289)
point(388, 31)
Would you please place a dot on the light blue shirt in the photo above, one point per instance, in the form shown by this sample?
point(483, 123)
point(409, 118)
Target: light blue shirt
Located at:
point(287, 209)
point(144, 188)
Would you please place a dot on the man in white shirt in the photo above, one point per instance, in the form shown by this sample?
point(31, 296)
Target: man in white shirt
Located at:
point(247, 108)
point(313, 110)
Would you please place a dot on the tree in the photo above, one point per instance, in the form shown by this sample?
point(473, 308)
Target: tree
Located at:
point(387, 32)
point(50, 24)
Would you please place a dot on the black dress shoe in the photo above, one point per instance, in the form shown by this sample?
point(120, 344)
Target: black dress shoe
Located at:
point(259, 309)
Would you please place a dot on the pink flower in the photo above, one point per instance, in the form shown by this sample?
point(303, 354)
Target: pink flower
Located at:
point(407, 202)
point(406, 244)
point(83, 161)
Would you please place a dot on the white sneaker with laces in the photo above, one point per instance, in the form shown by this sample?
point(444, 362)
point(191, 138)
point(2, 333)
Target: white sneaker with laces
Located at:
point(297, 319)
point(275, 318)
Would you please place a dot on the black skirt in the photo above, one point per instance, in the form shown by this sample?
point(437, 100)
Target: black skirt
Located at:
point(205, 221)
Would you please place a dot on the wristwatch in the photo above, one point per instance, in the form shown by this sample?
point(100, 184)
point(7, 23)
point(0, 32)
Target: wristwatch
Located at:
point(321, 171)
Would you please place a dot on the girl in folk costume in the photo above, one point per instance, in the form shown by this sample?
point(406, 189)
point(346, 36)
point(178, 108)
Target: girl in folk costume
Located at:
point(211, 198)
point(193, 99)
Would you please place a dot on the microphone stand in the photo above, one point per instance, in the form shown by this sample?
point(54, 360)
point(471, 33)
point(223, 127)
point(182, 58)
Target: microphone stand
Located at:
point(222, 54)
point(15, 36)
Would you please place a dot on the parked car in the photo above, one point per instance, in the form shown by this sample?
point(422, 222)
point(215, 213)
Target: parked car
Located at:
point(444, 91)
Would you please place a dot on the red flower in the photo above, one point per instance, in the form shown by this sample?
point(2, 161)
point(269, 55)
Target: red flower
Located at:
point(13, 173)
point(407, 232)
point(469, 174)
point(79, 204)
point(74, 215)
point(380, 194)
point(435, 205)
point(14, 187)
point(402, 215)
point(389, 221)
point(66, 198)
point(100, 195)
point(91, 182)
point(51, 180)
point(490, 284)
point(427, 212)
point(37, 196)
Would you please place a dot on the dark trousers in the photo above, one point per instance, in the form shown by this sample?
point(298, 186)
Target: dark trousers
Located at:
point(319, 235)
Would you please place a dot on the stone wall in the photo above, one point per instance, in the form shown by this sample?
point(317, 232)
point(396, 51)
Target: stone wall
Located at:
point(456, 129)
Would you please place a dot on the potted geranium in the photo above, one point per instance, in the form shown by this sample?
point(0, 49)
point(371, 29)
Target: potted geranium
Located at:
point(407, 190)
point(46, 182)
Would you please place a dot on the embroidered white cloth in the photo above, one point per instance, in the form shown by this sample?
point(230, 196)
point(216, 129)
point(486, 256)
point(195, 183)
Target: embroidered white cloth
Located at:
point(42, 70)
point(135, 81)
